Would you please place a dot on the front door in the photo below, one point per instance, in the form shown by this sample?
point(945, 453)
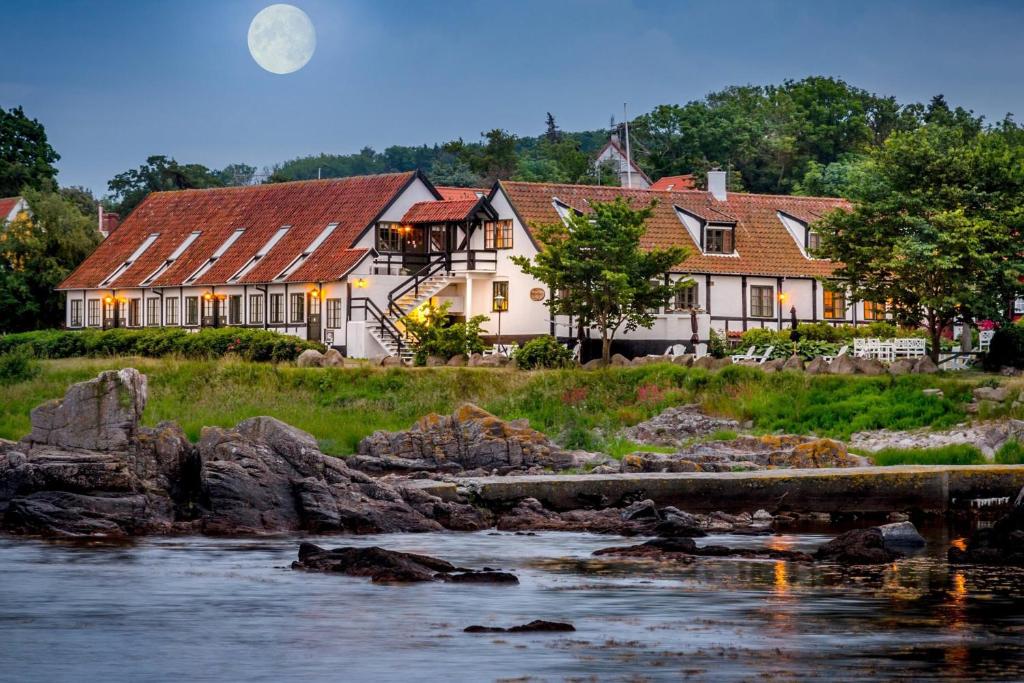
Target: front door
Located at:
point(313, 328)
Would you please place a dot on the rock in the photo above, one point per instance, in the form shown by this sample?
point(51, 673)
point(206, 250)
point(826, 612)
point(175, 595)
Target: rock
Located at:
point(676, 425)
point(996, 394)
point(746, 453)
point(389, 566)
point(898, 517)
point(470, 438)
point(901, 534)
point(310, 358)
point(493, 361)
point(436, 361)
point(588, 460)
point(774, 365)
point(457, 361)
point(594, 364)
point(762, 516)
point(474, 360)
point(101, 414)
point(843, 365)
point(530, 515)
point(858, 546)
point(869, 366)
point(333, 359)
point(678, 524)
point(705, 362)
point(391, 361)
point(722, 363)
point(535, 626)
point(685, 360)
point(925, 366)
point(642, 509)
point(818, 366)
point(619, 360)
point(1000, 544)
point(794, 363)
point(901, 366)
point(933, 392)
point(685, 549)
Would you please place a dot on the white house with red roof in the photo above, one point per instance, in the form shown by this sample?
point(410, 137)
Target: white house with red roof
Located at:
point(343, 261)
point(11, 208)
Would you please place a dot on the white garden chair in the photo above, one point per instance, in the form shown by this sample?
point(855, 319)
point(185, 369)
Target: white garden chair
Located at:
point(766, 355)
point(576, 351)
point(841, 352)
point(676, 350)
point(985, 340)
point(749, 355)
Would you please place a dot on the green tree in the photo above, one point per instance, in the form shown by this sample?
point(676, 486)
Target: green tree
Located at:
point(602, 275)
point(36, 254)
point(26, 158)
point(159, 173)
point(935, 229)
point(236, 174)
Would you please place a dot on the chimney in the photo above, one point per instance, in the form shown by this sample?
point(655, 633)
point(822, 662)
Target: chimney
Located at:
point(716, 185)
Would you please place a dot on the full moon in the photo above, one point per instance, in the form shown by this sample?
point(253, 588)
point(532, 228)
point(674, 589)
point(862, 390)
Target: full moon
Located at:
point(281, 38)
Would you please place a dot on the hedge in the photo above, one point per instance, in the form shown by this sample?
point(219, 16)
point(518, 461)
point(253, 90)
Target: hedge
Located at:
point(248, 343)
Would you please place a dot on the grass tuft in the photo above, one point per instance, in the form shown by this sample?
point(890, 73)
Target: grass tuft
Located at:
point(956, 454)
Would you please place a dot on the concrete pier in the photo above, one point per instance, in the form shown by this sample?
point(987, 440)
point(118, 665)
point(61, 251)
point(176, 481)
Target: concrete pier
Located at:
point(863, 489)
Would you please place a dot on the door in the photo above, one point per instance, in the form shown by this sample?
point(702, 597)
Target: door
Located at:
point(313, 327)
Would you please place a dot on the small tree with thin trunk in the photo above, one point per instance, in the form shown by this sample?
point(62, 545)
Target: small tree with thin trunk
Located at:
point(598, 272)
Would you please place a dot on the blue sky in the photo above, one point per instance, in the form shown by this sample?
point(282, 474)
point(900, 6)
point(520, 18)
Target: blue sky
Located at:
point(115, 82)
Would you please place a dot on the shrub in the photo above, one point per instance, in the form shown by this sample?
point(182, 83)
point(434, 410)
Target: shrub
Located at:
point(17, 366)
point(1010, 453)
point(716, 345)
point(1006, 349)
point(435, 335)
point(542, 352)
point(154, 342)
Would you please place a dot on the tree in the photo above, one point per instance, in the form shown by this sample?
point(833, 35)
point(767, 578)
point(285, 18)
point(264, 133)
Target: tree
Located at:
point(159, 173)
point(935, 230)
point(602, 276)
point(26, 158)
point(82, 198)
point(551, 133)
point(236, 174)
point(36, 254)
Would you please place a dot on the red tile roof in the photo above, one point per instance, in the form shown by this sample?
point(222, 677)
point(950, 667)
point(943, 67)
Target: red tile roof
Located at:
point(460, 192)
point(675, 182)
point(763, 244)
point(7, 205)
point(437, 212)
point(307, 206)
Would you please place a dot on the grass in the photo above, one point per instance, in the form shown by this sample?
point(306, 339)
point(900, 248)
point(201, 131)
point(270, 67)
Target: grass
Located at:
point(1010, 453)
point(578, 409)
point(957, 454)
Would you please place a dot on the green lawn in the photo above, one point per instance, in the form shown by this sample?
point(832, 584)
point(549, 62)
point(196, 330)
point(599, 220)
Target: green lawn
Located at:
point(579, 409)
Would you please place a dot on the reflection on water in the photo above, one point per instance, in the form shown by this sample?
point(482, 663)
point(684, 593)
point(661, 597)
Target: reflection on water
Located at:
point(219, 609)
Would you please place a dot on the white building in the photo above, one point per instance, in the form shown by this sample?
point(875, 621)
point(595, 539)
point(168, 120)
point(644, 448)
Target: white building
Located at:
point(342, 261)
point(630, 175)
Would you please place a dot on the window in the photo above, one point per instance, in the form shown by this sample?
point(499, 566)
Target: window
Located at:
point(498, 235)
point(1018, 305)
point(171, 312)
point(762, 301)
point(76, 312)
point(297, 307)
point(718, 241)
point(191, 310)
point(389, 237)
point(686, 299)
point(255, 309)
point(499, 296)
point(833, 305)
point(276, 309)
point(133, 312)
point(813, 240)
point(235, 309)
point(314, 304)
point(153, 311)
point(93, 311)
point(334, 313)
point(874, 310)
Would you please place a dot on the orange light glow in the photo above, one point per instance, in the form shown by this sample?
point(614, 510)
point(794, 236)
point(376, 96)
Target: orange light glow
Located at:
point(783, 296)
point(360, 283)
point(108, 299)
point(208, 296)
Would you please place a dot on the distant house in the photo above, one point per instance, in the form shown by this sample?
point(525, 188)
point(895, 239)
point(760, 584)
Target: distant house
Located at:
point(675, 182)
point(12, 208)
point(630, 175)
point(342, 261)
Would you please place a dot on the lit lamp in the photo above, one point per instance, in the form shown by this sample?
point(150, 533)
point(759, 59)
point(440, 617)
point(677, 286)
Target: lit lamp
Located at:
point(360, 283)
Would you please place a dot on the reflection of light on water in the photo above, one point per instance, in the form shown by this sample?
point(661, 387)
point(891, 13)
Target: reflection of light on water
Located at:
point(958, 655)
point(780, 543)
point(781, 578)
point(959, 543)
point(959, 589)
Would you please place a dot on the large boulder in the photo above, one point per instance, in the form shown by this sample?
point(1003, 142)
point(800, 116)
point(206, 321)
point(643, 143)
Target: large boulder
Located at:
point(676, 425)
point(468, 439)
point(794, 362)
point(332, 359)
point(869, 366)
point(843, 365)
point(925, 366)
point(746, 453)
point(818, 366)
point(997, 394)
point(705, 362)
point(618, 359)
point(874, 545)
point(390, 566)
point(901, 366)
point(310, 358)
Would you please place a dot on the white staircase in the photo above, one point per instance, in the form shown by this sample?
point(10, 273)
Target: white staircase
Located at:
point(407, 303)
point(412, 299)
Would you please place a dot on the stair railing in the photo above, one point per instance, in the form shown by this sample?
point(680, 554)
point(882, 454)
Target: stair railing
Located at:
point(388, 329)
point(439, 262)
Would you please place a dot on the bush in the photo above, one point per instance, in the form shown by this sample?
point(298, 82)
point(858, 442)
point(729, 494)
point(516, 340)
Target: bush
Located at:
point(542, 352)
point(17, 366)
point(435, 335)
point(154, 342)
point(1010, 453)
point(716, 345)
point(1006, 349)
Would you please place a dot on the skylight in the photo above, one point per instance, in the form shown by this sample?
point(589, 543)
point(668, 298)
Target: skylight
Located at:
point(264, 250)
point(562, 208)
point(162, 268)
point(301, 258)
point(232, 238)
point(131, 259)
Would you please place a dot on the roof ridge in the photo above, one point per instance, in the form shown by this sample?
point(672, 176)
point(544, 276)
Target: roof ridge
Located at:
point(309, 181)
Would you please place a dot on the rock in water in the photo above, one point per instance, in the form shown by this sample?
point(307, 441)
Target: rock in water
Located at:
point(389, 566)
point(469, 439)
point(874, 545)
point(1001, 544)
point(535, 626)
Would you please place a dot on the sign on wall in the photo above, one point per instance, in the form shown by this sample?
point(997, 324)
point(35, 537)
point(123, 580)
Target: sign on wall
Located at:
point(537, 294)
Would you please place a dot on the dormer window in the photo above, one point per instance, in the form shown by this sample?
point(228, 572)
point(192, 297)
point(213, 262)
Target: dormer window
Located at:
point(718, 239)
point(563, 209)
point(813, 240)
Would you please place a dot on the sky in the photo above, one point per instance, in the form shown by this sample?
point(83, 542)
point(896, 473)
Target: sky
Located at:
point(115, 82)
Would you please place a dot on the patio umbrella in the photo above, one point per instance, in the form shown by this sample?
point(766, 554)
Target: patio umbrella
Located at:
point(794, 336)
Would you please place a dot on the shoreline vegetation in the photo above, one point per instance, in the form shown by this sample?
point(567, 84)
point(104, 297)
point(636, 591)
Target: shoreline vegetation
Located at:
point(578, 409)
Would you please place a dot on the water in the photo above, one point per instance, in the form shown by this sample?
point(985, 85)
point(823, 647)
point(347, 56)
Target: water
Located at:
point(202, 609)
